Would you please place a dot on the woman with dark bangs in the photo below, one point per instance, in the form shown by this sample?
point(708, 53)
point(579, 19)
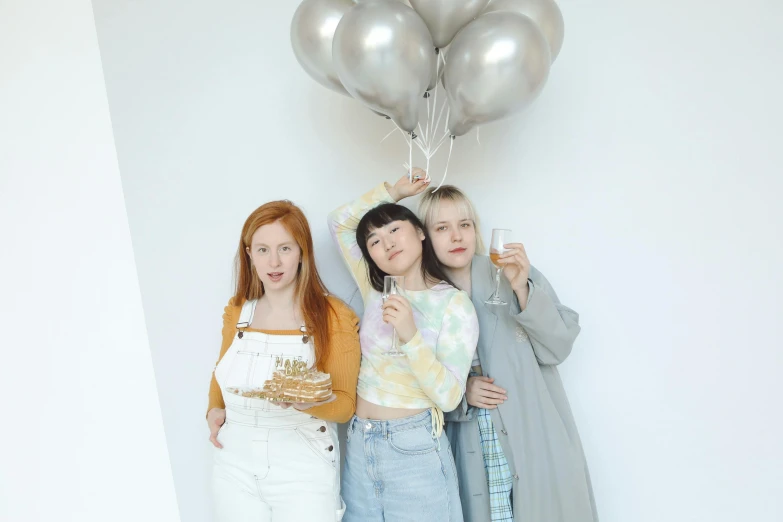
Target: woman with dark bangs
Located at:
point(399, 465)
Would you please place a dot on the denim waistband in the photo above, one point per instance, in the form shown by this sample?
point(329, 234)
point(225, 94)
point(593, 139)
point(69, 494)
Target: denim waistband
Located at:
point(382, 427)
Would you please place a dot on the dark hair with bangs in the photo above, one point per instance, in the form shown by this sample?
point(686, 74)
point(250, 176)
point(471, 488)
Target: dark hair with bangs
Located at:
point(431, 269)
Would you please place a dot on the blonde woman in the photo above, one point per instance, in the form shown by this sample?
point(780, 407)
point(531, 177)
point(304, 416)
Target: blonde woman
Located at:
point(518, 453)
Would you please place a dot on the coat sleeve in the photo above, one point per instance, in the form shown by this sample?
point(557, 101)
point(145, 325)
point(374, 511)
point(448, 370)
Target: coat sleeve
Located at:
point(551, 326)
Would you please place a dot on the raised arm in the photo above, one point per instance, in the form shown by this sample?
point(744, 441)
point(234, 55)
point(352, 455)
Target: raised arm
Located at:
point(342, 225)
point(344, 221)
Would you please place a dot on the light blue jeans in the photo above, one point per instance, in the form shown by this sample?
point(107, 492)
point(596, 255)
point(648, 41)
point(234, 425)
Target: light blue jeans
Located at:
point(395, 471)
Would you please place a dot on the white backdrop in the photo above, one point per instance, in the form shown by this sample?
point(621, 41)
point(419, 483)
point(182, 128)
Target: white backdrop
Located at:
point(82, 436)
point(644, 183)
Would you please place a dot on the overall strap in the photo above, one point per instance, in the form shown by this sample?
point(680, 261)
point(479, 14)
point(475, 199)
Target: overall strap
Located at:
point(246, 315)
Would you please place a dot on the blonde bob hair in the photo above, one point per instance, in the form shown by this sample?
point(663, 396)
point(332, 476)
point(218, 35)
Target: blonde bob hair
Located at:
point(429, 205)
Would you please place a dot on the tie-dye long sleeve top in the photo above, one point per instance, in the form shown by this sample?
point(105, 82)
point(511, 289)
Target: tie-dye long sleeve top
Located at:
point(439, 356)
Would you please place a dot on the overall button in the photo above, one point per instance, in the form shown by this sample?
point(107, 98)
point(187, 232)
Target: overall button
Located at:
point(368, 426)
point(503, 431)
point(322, 429)
point(330, 448)
point(516, 477)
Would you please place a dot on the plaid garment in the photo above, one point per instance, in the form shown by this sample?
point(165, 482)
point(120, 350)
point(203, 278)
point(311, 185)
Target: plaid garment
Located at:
point(498, 474)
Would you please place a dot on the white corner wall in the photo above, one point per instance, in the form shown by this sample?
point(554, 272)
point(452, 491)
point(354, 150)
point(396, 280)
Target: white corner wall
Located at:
point(82, 436)
point(645, 183)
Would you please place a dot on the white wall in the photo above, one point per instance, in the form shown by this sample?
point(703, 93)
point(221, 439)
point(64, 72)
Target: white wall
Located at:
point(643, 183)
point(82, 435)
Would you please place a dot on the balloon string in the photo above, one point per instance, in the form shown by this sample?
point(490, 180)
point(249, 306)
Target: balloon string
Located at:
point(390, 133)
point(446, 173)
point(410, 160)
point(421, 147)
point(437, 82)
point(410, 151)
point(440, 115)
point(442, 139)
point(427, 136)
point(406, 136)
point(440, 143)
point(427, 133)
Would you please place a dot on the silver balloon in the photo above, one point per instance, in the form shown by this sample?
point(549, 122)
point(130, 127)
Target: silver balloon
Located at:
point(545, 13)
point(312, 32)
point(445, 18)
point(384, 57)
point(496, 66)
point(437, 70)
point(406, 2)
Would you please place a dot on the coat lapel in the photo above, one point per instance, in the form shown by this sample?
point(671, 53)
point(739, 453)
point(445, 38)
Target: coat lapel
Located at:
point(481, 288)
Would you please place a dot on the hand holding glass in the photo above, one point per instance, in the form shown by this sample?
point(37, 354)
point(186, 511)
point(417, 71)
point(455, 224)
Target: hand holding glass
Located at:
point(393, 285)
point(500, 237)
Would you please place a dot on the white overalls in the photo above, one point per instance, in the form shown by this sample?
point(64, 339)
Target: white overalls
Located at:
point(276, 465)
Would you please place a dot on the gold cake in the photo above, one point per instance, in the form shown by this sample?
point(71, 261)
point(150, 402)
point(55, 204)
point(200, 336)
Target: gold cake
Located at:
point(293, 382)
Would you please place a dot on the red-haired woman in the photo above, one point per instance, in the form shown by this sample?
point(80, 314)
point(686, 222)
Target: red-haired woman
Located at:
point(280, 461)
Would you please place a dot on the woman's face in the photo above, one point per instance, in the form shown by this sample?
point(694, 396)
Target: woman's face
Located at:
point(453, 235)
point(275, 255)
point(396, 247)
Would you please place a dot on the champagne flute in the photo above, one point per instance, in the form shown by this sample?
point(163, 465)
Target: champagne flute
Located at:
point(393, 285)
point(496, 248)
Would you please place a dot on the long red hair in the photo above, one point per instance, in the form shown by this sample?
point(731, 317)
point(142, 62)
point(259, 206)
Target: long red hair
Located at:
point(311, 293)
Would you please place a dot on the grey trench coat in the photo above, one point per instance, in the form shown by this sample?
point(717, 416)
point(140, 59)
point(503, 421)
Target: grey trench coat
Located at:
point(535, 425)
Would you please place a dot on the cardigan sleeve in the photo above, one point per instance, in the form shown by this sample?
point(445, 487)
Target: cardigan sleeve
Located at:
point(342, 364)
point(230, 319)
